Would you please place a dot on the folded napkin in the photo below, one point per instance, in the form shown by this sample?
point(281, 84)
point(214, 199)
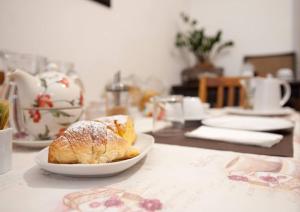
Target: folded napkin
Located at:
point(236, 136)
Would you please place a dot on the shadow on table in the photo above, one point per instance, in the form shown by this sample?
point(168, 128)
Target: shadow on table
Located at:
point(21, 149)
point(38, 178)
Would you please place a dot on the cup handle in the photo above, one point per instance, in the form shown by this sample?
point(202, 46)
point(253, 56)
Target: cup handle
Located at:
point(287, 92)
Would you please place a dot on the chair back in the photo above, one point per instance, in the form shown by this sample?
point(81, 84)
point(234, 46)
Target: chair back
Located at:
point(270, 64)
point(226, 87)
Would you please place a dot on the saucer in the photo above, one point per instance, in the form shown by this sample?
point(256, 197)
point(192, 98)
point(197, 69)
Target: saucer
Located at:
point(32, 144)
point(251, 123)
point(196, 118)
point(249, 112)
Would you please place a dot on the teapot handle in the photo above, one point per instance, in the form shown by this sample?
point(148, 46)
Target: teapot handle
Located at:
point(287, 92)
point(16, 118)
point(10, 94)
point(77, 80)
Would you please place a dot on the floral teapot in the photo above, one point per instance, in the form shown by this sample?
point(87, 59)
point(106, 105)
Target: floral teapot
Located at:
point(46, 104)
point(49, 89)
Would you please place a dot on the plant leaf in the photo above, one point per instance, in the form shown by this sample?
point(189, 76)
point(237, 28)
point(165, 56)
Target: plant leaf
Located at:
point(185, 17)
point(196, 41)
point(224, 45)
point(194, 22)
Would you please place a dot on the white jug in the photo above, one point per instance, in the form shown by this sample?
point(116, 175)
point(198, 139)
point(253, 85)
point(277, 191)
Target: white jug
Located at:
point(267, 96)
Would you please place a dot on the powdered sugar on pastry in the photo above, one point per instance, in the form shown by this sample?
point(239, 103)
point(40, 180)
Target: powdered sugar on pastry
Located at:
point(121, 119)
point(87, 142)
point(97, 130)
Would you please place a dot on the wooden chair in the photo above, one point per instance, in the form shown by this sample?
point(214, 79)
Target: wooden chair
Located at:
point(265, 64)
point(231, 84)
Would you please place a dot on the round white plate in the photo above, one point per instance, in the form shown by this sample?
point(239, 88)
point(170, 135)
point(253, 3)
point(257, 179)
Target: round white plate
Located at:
point(249, 112)
point(144, 143)
point(33, 144)
point(249, 123)
point(196, 118)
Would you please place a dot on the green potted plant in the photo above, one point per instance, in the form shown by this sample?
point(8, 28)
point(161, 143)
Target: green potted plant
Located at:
point(202, 46)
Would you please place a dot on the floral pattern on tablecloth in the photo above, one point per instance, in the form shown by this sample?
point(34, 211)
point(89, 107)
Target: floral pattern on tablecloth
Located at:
point(109, 199)
point(269, 172)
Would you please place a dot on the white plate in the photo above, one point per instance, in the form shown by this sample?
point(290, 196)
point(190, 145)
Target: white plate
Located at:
point(196, 118)
point(33, 144)
point(144, 143)
point(249, 112)
point(249, 123)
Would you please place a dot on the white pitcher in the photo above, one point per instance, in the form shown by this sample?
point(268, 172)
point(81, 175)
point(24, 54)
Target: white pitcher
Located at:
point(267, 96)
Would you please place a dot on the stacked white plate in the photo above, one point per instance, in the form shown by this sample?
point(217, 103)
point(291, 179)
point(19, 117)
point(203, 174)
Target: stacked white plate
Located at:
point(252, 123)
point(249, 112)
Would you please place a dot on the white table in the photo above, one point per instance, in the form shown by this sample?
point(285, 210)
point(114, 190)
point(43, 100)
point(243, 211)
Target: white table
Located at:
point(178, 178)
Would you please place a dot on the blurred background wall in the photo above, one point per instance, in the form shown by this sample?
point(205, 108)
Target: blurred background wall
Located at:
point(256, 27)
point(137, 36)
point(296, 31)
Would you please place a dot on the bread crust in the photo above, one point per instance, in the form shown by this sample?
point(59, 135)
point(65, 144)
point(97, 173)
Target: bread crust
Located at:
point(122, 125)
point(88, 142)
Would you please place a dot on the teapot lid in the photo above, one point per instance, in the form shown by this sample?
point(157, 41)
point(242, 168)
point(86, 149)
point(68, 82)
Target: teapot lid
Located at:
point(117, 85)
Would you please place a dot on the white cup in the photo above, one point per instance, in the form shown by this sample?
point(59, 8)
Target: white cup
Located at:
point(168, 109)
point(194, 108)
point(5, 150)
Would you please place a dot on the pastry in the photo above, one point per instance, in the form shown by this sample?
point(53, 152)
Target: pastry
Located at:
point(89, 142)
point(122, 125)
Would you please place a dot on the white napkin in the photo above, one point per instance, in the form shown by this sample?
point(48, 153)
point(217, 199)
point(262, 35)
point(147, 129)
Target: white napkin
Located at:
point(236, 136)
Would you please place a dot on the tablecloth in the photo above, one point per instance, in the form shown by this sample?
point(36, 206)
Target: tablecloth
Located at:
point(170, 178)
